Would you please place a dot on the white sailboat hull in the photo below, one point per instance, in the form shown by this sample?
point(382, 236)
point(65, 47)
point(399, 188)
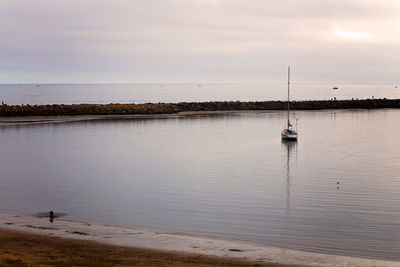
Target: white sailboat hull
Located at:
point(286, 135)
point(289, 136)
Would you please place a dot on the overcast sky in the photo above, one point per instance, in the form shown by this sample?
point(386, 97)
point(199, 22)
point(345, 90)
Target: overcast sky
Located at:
point(57, 41)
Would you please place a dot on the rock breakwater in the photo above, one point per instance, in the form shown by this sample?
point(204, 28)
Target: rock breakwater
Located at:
point(173, 108)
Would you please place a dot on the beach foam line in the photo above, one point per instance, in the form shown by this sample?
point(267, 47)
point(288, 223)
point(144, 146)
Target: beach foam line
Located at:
point(167, 241)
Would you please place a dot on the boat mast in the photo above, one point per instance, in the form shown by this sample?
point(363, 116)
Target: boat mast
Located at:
point(288, 86)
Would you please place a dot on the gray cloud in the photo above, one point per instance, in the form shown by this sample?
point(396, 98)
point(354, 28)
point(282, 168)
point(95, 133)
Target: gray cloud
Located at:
point(197, 40)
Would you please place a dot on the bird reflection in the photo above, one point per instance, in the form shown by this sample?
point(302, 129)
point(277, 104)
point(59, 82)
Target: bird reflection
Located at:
point(290, 147)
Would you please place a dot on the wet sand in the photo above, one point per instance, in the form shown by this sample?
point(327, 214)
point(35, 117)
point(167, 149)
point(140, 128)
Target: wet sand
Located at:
point(60, 119)
point(177, 248)
point(26, 249)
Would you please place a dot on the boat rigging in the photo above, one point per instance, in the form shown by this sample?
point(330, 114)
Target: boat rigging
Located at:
point(289, 133)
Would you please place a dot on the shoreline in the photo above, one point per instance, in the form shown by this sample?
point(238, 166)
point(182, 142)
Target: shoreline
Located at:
point(74, 118)
point(177, 242)
point(67, 118)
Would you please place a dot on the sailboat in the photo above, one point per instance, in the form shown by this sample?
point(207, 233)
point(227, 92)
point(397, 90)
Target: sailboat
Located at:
point(289, 133)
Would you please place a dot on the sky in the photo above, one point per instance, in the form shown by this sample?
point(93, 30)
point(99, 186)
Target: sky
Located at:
point(153, 41)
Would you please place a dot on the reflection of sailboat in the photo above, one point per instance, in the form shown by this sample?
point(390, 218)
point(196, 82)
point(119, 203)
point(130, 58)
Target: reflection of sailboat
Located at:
point(289, 145)
point(288, 133)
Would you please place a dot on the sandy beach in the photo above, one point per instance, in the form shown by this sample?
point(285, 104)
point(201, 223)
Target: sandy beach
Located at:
point(59, 119)
point(26, 249)
point(176, 242)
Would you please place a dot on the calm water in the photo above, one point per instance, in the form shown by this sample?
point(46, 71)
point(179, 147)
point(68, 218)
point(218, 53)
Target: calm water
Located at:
point(220, 175)
point(142, 93)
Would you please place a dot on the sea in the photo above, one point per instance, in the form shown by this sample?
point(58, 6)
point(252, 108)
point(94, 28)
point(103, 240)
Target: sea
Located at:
point(43, 94)
point(228, 175)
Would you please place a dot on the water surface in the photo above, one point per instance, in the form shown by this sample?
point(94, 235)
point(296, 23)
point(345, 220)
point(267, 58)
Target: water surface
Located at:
point(17, 94)
point(222, 175)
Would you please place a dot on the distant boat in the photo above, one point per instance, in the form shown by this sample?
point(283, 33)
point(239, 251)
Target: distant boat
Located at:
point(288, 133)
point(335, 88)
point(37, 85)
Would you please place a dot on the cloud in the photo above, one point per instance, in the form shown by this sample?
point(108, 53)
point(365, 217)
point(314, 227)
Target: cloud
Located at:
point(190, 40)
point(354, 35)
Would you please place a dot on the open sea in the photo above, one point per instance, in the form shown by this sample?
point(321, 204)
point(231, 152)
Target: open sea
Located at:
point(336, 190)
point(41, 94)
